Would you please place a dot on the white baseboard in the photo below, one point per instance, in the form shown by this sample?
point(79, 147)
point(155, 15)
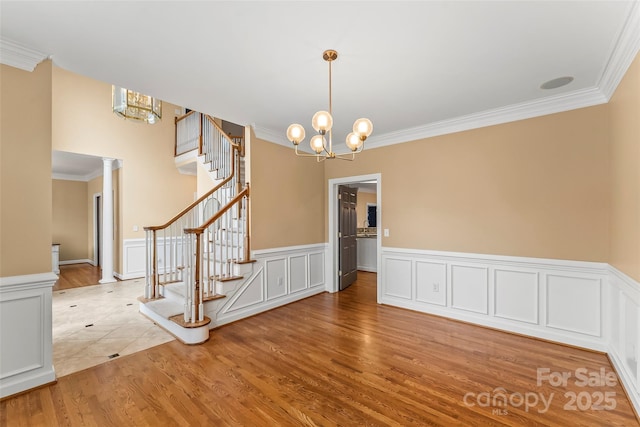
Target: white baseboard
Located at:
point(76, 261)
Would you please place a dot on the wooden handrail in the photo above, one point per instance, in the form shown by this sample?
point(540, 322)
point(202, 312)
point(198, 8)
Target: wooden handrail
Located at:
point(214, 218)
point(184, 116)
point(213, 122)
point(194, 204)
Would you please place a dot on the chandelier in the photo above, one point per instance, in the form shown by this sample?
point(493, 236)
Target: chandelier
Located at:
point(322, 122)
point(134, 105)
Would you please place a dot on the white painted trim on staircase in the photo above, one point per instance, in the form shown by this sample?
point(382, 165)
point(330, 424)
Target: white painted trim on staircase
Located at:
point(260, 253)
point(76, 261)
point(26, 352)
point(186, 335)
point(279, 276)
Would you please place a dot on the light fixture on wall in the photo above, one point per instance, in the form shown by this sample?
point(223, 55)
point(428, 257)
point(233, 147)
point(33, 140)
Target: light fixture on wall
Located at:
point(134, 105)
point(322, 122)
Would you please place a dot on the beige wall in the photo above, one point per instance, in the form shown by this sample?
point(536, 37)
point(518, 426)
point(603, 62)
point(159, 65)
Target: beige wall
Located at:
point(151, 190)
point(287, 199)
point(70, 219)
point(535, 188)
point(361, 206)
point(624, 117)
point(25, 170)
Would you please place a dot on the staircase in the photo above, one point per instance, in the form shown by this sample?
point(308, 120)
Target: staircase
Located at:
point(202, 255)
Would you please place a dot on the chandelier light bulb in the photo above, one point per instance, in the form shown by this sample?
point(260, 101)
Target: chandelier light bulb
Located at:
point(317, 143)
point(295, 133)
point(363, 127)
point(322, 122)
point(353, 141)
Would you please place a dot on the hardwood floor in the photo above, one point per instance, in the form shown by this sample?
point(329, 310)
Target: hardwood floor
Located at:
point(336, 359)
point(77, 275)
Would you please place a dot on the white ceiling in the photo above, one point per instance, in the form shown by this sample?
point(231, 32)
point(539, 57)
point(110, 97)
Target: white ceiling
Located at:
point(416, 69)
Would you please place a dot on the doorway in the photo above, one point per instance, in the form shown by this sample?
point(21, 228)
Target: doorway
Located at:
point(347, 232)
point(333, 261)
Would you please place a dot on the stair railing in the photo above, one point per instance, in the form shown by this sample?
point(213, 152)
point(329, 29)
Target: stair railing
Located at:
point(211, 249)
point(189, 133)
point(165, 243)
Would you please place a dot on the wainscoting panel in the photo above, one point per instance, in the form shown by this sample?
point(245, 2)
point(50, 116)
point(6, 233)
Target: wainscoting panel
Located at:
point(133, 259)
point(574, 304)
point(431, 282)
point(557, 300)
point(297, 273)
point(516, 295)
point(469, 288)
point(279, 276)
point(26, 353)
point(316, 269)
point(623, 328)
point(276, 277)
point(397, 282)
point(134, 256)
point(250, 294)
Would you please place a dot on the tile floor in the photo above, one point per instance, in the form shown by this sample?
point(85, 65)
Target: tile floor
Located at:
point(92, 323)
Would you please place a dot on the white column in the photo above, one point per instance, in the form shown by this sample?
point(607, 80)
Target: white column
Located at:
point(107, 222)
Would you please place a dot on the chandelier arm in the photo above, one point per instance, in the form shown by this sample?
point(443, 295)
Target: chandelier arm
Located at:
point(304, 154)
point(343, 157)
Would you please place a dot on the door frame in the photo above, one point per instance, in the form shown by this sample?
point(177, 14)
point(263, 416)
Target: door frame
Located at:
point(96, 228)
point(332, 264)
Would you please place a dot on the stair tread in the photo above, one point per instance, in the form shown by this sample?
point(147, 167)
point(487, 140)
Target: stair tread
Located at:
point(166, 307)
point(226, 278)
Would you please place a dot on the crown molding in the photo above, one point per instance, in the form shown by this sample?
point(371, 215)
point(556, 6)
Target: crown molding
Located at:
point(526, 110)
point(624, 52)
point(117, 164)
point(18, 56)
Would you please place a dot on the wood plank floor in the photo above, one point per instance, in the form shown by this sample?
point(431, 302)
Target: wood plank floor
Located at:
point(76, 276)
point(334, 359)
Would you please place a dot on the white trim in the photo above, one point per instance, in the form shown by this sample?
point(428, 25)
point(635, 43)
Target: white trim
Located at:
point(511, 113)
point(624, 291)
point(624, 52)
point(16, 55)
point(287, 249)
point(26, 352)
point(331, 261)
point(96, 250)
point(586, 266)
point(117, 164)
point(28, 281)
point(575, 273)
point(76, 261)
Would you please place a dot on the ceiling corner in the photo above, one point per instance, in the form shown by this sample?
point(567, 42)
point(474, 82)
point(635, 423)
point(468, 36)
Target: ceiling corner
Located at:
point(624, 52)
point(18, 56)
